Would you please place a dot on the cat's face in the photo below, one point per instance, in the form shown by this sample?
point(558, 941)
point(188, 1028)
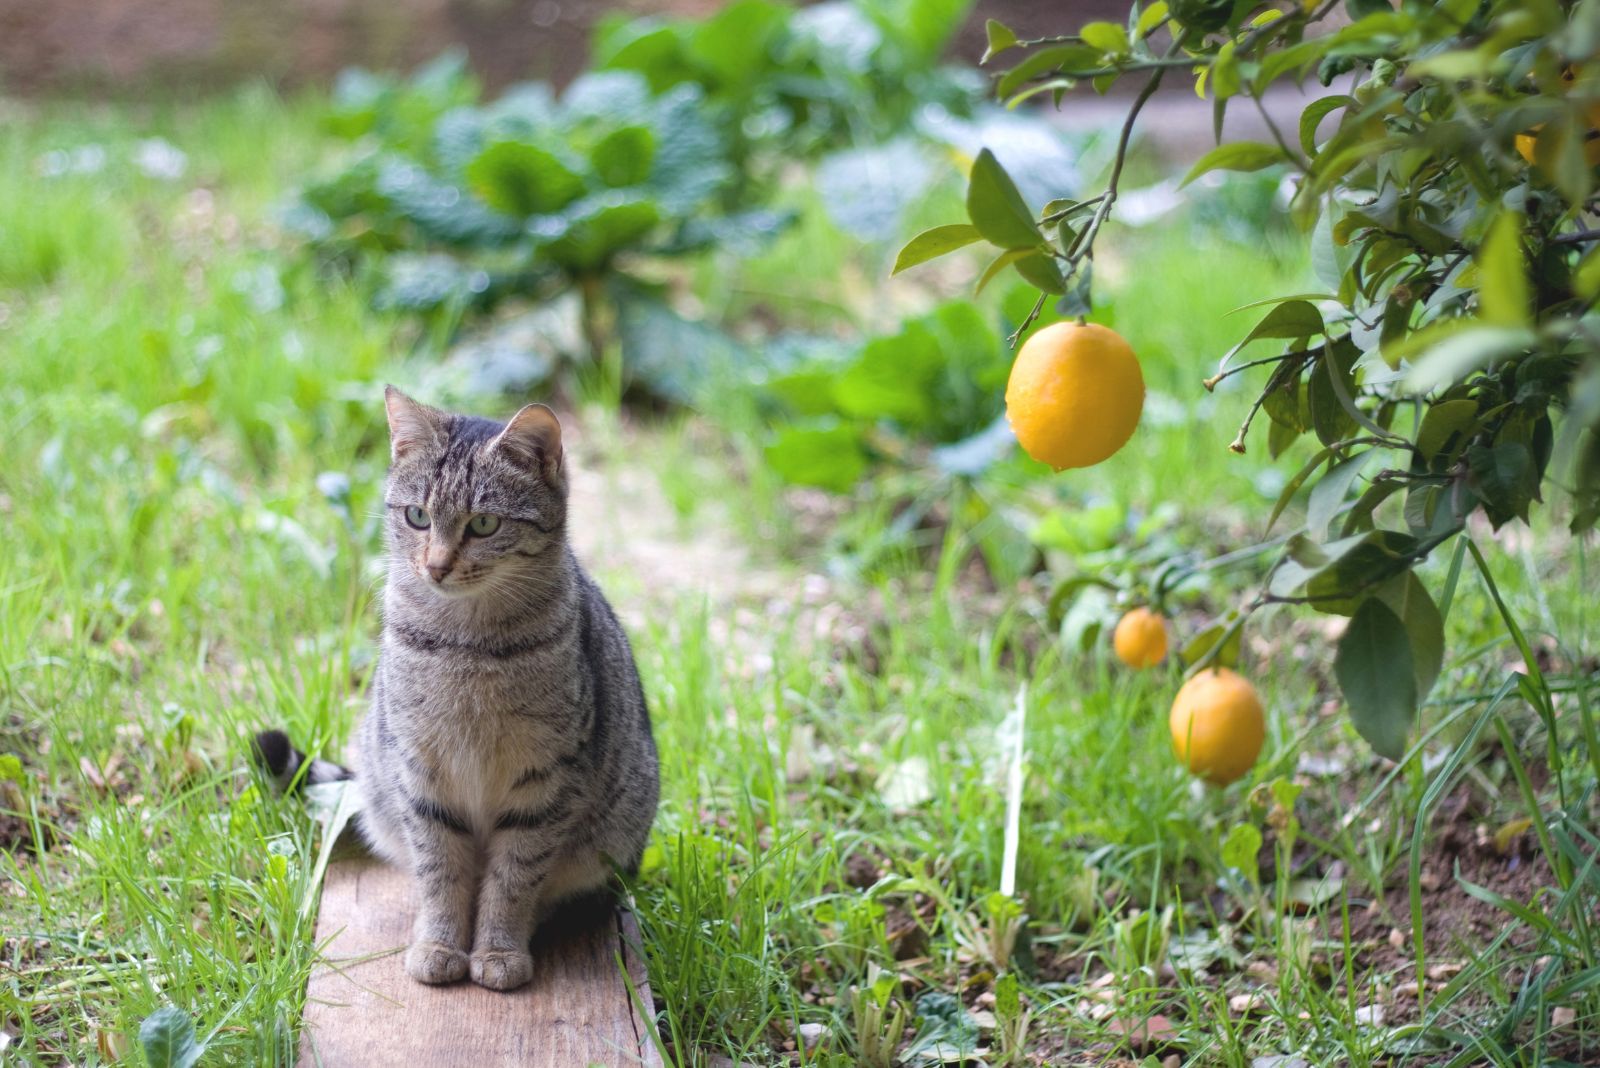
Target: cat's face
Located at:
point(473, 505)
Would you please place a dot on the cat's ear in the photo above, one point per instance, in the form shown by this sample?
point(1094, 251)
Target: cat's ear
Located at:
point(532, 438)
point(411, 425)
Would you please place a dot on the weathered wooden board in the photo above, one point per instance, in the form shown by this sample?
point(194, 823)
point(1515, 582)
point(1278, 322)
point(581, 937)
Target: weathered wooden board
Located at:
point(363, 1011)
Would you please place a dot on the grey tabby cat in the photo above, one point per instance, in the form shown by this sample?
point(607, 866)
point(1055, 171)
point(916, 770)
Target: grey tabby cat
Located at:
point(506, 758)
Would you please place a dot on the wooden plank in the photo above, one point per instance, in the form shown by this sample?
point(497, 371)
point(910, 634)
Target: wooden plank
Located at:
point(363, 1010)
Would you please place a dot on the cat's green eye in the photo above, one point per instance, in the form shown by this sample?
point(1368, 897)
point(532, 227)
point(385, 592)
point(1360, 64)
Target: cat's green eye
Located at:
point(483, 524)
point(418, 517)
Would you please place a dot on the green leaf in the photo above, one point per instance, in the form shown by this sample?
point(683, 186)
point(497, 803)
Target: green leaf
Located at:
point(1503, 292)
point(1375, 671)
point(1313, 115)
point(1067, 58)
point(1241, 848)
point(1000, 263)
point(1328, 415)
point(1408, 599)
point(167, 1036)
point(1041, 270)
point(1292, 318)
point(1149, 19)
point(1223, 630)
point(1442, 423)
point(1505, 479)
point(1007, 997)
point(595, 229)
point(624, 156)
point(1235, 156)
point(1464, 351)
point(11, 768)
point(997, 209)
point(522, 179)
point(825, 455)
point(1330, 492)
point(1108, 37)
point(933, 243)
point(1001, 38)
point(734, 45)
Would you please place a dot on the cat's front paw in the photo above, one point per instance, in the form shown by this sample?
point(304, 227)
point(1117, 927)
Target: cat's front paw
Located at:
point(435, 962)
point(501, 969)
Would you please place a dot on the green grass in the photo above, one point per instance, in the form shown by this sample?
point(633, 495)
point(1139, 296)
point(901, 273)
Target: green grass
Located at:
point(175, 380)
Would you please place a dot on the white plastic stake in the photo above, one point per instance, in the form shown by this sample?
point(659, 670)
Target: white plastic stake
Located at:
point(1008, 862)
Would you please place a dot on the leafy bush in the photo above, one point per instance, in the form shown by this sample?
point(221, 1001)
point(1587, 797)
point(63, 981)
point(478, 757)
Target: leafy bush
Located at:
point(790, 82)
point(1451, 366)
point(938, 381)
point(528, 195)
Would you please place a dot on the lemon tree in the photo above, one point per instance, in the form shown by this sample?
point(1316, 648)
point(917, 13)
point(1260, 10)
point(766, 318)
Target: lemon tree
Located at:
point(1450, 367)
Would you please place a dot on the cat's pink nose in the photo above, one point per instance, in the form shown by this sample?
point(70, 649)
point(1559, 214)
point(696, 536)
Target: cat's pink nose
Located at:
point(437, 572)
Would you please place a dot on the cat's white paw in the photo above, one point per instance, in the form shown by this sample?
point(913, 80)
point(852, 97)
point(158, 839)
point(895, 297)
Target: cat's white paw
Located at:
point(501, 969)
point(435, 962)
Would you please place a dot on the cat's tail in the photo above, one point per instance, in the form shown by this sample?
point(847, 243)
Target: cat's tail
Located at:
point(277, 756)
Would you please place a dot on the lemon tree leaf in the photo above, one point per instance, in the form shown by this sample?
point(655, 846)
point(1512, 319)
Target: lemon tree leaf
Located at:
point(1408, 598)
point(1001, 37)
point(167, 1036)
point(826, 454)
point(1235, 156)
point(1376, 674)
point(933, 243)
point(1503, 294)
point(997, 208)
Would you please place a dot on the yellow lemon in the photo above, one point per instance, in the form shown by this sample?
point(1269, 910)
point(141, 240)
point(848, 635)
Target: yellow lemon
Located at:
point(1140, 639)
point(1217, 725)
point(1075, 394)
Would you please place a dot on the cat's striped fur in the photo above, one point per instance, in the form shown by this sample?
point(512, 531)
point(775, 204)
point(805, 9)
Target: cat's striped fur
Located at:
point(506, 758)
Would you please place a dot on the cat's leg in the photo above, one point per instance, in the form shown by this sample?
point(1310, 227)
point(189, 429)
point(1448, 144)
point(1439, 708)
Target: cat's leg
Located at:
point(444, 873)
point(516, 875)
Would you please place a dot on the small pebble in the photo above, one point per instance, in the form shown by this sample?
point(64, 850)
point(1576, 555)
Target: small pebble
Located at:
point(811, 1035)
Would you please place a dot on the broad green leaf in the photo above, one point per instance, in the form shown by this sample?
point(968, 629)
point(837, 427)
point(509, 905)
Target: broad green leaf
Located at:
point(1149, 19)
point(1041, 270)
point(1374, 667)
point(1108, 37)
point(823, 454)
point(1292, 318)
point(1000, 263)
point(1069, 59)
point(1331, 491)
point(1408, 599)
point(624, 156)
point(1297, 480)
point(1463, 351)
point(1235, 156)
point(1241, 848)
point(1001, 37)
point(1312, 117)
point(1224, 630)
point(733, 44)
point(522, 179)
point(1503, 292)
point(997, 209)
point(1444, 421)
point(933, 243)
point(1328, 415)
point(1505, 478)
point(1225, 73)
point(1007, 997)
point(167, 1036)
point(1586, 276)
point(595, 229)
